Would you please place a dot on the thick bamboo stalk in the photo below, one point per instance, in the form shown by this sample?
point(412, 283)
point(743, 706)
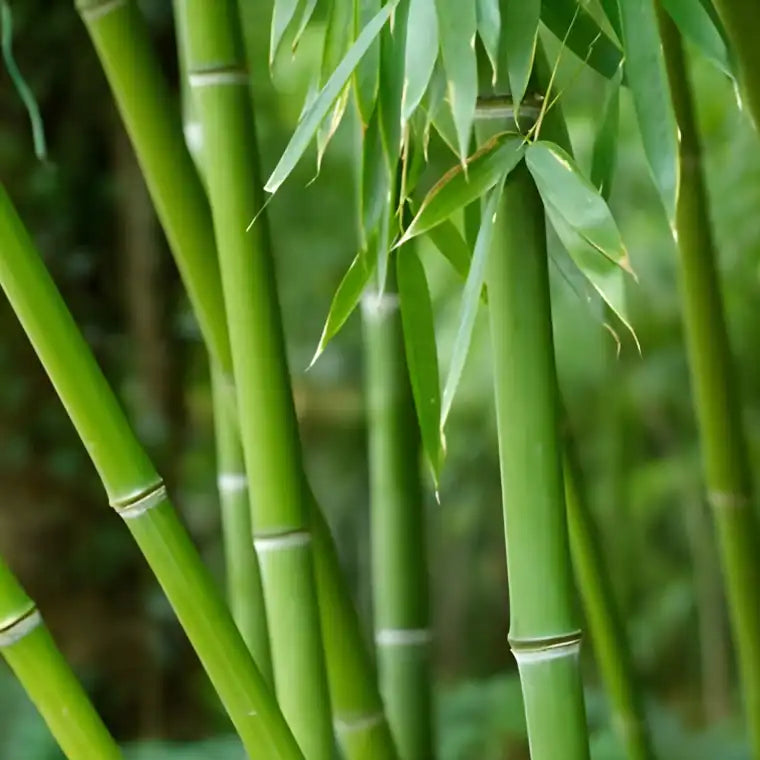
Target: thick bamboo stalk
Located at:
point(605, 625)
point(137, 493)
point(357, 709)
point(32, 655)
point(399, 566)
point(724, 451)
point(544, 632)
point(244, 593)
point(219, 83)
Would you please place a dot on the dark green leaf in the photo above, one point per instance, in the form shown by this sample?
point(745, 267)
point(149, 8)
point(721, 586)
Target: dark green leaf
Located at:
point(519, 20)
point(612, 11)
point(449, 242)
point(367, 76)
point(604, 155)
point(375, 186)
point(391, 93)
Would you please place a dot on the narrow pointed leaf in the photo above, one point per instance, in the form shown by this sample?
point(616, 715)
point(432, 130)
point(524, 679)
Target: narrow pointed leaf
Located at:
point(421, 53)
point(604, 155)
point(647, 77)
point(316, 113)
point(306, 15)
point(457, 28)
point(561, 184)
point(421, 352)
point(283, 14)
point(367, 75)
point(585, 38)
point(375, 186)
point(612, 11)
point(450, 243)
point(489, 29)
point(519, 21)
point(455, 189)
point(471, 298)
point(390, 96)
point(697, 25)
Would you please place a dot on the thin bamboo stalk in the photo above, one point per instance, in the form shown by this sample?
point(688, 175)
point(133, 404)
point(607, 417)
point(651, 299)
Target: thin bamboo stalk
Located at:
point(605, 625)
point(357, 709)
point(137, 493)
point(399, 566)
point(544, 632)
point(268, 427)
point(716, 400)
point(32, 655)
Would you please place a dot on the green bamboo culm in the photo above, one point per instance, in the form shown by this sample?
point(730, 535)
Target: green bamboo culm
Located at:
point(724, 450)
point(32, 655)
point(137, 493)
point(606, 628)
point(244, 593)
point(219, 83)
point(544, 631)
point(142, 96)
point(398, 541)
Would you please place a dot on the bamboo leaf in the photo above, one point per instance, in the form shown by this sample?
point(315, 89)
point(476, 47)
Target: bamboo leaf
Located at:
point(604, 155)
point(421, 53)
point(471, 298)
point(421, 353)
point(489, 30)
point(283, 14)
point(612, 11)
point(457, 28)
point(345, 300)
point(391, 93)
point(648, 79)
point(457, 188)
point(702, 29)
point(316, 113)
point(450, 243)
point(585, 38)
point(374, 182)
point(308, 12)
point(520, 20)
point(367, 76)
point(561, 184)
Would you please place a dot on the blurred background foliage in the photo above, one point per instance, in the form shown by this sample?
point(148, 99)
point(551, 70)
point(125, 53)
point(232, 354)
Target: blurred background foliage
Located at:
point(88, 210)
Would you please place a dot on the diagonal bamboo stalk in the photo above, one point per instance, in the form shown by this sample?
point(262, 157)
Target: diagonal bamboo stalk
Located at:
point(32, 655)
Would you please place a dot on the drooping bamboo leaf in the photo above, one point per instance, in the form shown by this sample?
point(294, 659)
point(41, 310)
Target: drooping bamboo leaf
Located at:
point(345, 300)
point(612, 11)
point(421, 352)
point(283, 15)
point(367, 76)
point(457, 189)
point(450, 243)
point(519, 20)
point(489, 30)
point(306, 15)
point(561, 184)
point(457, 28)
point(604, 154)
point(648, 79)
point(702, 29)
point(585, 38)
point(316, 113)
point(471, 298)
point(421, 53)
point(375, 186)
point(392, 63)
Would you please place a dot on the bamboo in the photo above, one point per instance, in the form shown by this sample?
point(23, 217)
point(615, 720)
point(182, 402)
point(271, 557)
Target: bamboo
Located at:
point(32, 655)
point(605, 625)
point(136, 492)
point(724, 451)
point(399, 567)
point(357, 709)
point(269, 431)
point(544, 632)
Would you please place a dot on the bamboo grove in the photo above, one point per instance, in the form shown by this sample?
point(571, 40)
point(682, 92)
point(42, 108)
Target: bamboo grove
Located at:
point(286, 650)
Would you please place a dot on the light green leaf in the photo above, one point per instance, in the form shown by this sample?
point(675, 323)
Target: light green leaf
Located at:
point(450, 243)
point(697, 25)
point(585, 38)
point(421, 352)
point(519, 20)
point(421, 53)
point(604, 155)
point(283, 14)
point(471, 297)
point(345, 300)
point(489, 30)
point(392, 62)
point(561, 184)
point(308, 12)
point(648, 79)
point(457, 28)
point(315, 114)
point(367, 76)
point(457, 189)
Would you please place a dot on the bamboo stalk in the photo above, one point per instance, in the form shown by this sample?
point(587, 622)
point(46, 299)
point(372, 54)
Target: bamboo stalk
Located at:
point(32, 655)
point(137, 493)
point(544, 632)
point(357, 709)
point(724, 451)
point(399, 567)
point(268, 427)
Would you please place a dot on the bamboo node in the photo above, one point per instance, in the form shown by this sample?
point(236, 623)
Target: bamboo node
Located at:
point(531, 651)
point(232, 482)
point(378, 305)
point(727, 499)
point(403, 637)
point(359, 723)
point(145, 501)
point(282, 541)
point(225, 76)
point(98, 10)
point(20, 628)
